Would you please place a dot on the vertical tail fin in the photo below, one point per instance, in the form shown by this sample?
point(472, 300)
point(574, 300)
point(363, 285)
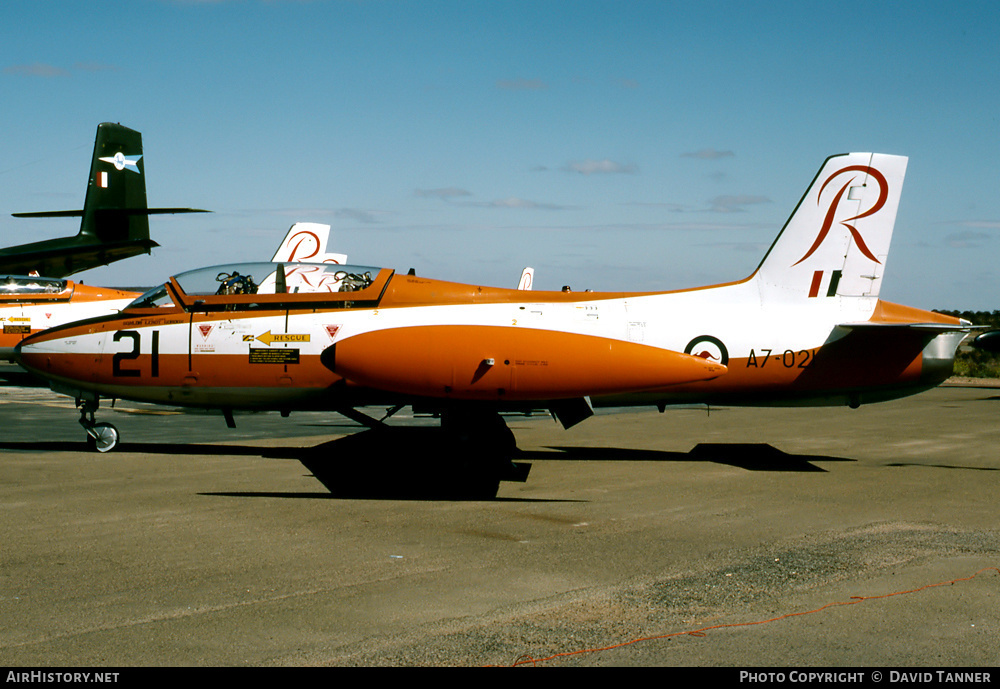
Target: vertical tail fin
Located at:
point(837, 239)
point(527, 277)
point(115, 216)
point(116, 192)
point(305, 241)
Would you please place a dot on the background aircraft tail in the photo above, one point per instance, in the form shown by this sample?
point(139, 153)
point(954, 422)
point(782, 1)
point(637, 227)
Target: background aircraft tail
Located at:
point(116, 192)
point(527, 278)
point(306, 243)
point(836, 242)
point(115, 222)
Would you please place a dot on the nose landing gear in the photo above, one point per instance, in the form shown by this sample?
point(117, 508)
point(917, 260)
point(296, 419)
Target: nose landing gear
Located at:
point(102, 436)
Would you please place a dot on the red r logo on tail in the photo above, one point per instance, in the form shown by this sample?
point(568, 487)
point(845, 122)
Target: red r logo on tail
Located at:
point(828, 221)
point(306, 239)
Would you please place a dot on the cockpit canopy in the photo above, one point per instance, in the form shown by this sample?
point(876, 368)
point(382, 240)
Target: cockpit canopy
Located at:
point(285, 282)
point(23, 285)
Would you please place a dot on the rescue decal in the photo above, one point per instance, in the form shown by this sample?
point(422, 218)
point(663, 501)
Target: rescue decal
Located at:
point(267, 338)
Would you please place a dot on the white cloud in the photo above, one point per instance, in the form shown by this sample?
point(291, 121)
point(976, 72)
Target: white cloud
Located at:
point(966, 240)
point(515, 202)
point(94, 67)
point(521, 84)
point(443, 193)
point(358, 214)
point(602, 167)
point(735, 203)
point(982, 224)
point(708, 154)
point(36, 69)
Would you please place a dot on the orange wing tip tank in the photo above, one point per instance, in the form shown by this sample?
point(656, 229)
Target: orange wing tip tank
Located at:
point(507, 363)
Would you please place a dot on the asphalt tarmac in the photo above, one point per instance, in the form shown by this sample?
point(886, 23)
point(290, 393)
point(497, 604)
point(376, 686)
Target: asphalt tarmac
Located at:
point(793, 538)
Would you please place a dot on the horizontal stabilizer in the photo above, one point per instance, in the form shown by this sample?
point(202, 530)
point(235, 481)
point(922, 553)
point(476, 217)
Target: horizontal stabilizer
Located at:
point(922, 327)
point(120, 211)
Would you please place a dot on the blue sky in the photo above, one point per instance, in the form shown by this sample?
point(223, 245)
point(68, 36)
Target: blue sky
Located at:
point(611, 145)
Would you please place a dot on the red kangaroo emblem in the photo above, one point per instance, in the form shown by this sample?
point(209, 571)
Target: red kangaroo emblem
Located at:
point(828, 221)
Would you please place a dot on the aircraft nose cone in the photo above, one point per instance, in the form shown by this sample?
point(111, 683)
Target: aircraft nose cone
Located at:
point(28, 357)
point(46, 356)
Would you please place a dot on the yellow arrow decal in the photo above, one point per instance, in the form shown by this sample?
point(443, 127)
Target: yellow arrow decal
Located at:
point(267, 338)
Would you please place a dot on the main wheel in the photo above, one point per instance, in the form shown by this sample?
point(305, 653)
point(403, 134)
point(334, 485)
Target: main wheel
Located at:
point(102, 437)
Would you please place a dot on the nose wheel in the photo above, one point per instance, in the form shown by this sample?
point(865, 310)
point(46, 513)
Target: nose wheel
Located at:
point(102, 436)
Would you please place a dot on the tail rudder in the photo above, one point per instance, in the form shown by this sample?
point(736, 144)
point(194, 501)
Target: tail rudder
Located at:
point(836, 242)
point(115, 207)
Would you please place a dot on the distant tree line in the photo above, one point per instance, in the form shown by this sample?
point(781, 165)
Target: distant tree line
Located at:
point(975, 363)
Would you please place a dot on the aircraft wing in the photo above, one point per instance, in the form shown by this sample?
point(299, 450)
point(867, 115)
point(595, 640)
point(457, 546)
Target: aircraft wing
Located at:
point(61, 258)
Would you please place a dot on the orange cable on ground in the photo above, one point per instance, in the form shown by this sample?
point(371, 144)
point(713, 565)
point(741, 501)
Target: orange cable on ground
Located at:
point(526, 659)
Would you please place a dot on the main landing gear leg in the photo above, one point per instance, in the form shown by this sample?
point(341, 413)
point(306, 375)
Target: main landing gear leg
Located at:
point(102, 437)
point(485, 447)
point(466, 457)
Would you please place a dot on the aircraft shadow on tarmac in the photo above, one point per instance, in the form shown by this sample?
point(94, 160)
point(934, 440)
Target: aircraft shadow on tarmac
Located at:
point(407, 464)
point(749, 456)
point(18, 377)
point(377, 465)
point(399, 465)
point(152, 448)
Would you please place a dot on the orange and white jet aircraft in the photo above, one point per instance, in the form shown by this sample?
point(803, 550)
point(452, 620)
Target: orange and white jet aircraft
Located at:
point(31, 304)
point(806, 328)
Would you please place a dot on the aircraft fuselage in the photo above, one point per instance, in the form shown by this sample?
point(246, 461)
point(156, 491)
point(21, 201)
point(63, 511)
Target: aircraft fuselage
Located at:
point(406, 337)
